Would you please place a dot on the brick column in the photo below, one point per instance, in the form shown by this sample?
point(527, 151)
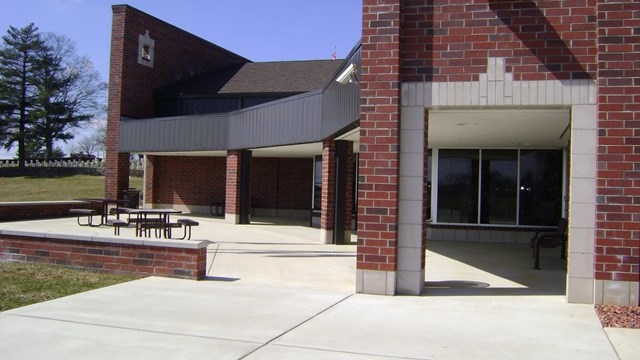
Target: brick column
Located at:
point(617, 244)
point(237, 198)
point(379, 152)
point(116, 170)
point(328, 191)
point(148, 179)
point(337, 191)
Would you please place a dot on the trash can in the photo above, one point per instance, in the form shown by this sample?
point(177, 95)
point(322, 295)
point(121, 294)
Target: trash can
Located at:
point(132, 196)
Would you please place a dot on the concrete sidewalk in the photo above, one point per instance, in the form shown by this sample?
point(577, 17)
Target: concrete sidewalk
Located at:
point(275, 292)
point(159, 318)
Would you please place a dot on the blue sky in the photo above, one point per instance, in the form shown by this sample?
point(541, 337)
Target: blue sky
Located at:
point(260, 30)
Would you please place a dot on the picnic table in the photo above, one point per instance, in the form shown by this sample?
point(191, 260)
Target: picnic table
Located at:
point(104, 216)
point(153, 219)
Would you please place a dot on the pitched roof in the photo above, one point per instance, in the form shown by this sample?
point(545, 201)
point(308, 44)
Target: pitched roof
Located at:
point(259, 78)
point(283, 76)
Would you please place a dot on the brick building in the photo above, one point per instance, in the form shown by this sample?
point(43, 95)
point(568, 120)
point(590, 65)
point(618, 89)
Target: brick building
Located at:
point(472, 121)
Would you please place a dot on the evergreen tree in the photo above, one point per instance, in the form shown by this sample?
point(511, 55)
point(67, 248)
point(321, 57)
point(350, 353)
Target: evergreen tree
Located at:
point(21, 65)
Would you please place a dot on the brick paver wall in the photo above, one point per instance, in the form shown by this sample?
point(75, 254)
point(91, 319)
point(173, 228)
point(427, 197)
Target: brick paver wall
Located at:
point(108, 257)
point(618, 178)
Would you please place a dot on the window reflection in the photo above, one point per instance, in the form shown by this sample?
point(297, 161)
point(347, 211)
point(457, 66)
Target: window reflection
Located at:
point(458, 186)
point(499, 187)
point(540, 187)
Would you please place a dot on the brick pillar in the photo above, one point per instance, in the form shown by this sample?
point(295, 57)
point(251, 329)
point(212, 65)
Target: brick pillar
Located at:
point(149, 180)
point(617, 247)
point(238, 196)
point(328, 191)
point(336, 201)
point(116, 170)
point(379, 152)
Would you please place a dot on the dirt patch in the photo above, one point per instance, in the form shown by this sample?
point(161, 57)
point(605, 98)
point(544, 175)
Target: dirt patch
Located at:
point(619, 316)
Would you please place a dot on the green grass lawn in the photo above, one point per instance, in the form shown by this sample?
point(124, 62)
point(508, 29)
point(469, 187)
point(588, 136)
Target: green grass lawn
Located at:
point(31, 188)
point(25, 284)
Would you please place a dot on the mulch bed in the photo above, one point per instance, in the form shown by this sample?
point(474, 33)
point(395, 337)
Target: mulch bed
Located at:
point(619, 316)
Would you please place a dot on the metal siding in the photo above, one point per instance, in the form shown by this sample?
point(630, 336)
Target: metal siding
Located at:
point(298, 119)
point(184, 133)
point(341, 103)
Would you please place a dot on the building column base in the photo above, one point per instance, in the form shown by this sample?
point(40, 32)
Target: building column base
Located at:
point(623, 293)
point(375, 282)
point(232, 218)
point(326, 236)
point(410, 282)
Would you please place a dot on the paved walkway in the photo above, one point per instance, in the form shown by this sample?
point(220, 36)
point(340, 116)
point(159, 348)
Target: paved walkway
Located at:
point(274, 292)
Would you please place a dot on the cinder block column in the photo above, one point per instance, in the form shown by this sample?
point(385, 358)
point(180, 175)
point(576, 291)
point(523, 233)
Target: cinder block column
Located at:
point(238, 190)
point(379, 148)
point(412, 213)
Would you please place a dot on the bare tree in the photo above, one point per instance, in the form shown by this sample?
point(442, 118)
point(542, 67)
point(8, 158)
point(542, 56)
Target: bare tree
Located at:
point(70, 93)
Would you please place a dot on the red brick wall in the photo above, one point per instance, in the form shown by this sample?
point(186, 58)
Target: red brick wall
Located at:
point(28, 211)
point(186, 180)
point(379, 136)
point(178, 55)
point(106, 257)
point(618, 179)
point(450, 40)
point(282, 183)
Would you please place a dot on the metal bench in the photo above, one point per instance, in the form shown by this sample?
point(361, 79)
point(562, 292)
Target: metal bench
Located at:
point(117, 224)
point(187, 223)
point(88, 213)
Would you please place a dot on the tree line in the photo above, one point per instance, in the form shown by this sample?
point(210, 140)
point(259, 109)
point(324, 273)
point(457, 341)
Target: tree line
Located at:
point(46, 91)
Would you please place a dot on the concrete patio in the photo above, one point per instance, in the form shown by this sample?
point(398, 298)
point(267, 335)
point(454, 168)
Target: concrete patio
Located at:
point(274, 291)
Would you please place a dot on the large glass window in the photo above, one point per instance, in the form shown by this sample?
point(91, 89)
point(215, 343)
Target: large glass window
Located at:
point(499, 199)
point(540, 187)
point(481, 187)
point(458, 186)
point(317, 182)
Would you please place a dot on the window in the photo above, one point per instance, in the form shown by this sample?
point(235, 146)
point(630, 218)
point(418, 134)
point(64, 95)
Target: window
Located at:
point(317, 182)
point(500, 187)
point(540, 187)
point(458, 186)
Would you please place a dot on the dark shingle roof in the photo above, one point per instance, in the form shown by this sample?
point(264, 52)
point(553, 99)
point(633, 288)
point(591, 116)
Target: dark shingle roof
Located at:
point(259, 78)
point(281, 77)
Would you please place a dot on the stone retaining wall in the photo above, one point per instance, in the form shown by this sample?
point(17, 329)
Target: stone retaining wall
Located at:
point(117, 255)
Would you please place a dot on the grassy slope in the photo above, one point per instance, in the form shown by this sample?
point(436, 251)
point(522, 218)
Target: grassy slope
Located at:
point(25, 284)
point(27, 188)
